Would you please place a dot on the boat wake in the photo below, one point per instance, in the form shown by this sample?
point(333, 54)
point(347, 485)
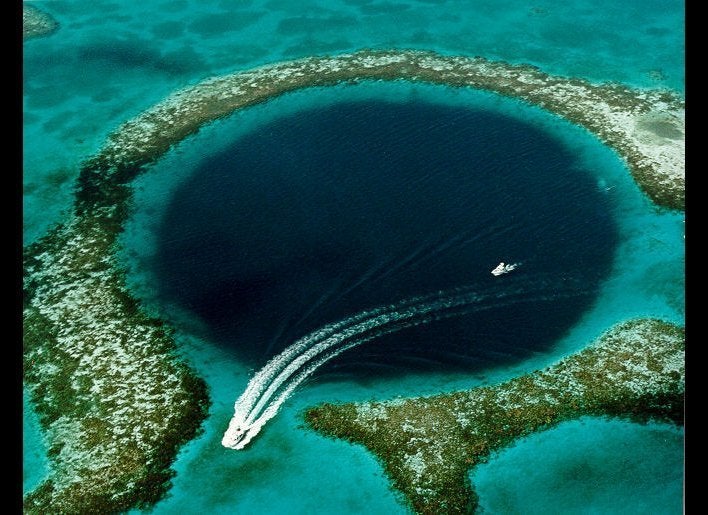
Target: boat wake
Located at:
point(271, 386)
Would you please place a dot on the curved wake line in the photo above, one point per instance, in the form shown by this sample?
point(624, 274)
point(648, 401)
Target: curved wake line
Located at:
point(271, 386)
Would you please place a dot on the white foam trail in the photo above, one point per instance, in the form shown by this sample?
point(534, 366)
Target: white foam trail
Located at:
point(271, 386)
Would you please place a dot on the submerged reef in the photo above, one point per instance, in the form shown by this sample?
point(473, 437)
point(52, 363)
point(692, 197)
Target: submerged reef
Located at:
point(645, 126)
point(36, 23)
point(428, 445)
point(116, 400)
point(112, 398)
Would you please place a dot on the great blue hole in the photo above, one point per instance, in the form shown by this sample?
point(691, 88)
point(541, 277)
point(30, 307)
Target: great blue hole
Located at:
point(321, 214)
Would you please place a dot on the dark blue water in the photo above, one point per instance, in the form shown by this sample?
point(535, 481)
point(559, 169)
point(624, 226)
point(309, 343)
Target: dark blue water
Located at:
point(331, 211)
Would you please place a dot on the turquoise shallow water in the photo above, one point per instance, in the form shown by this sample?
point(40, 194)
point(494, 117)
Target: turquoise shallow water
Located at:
point(615, 467)
point(34, 451)
point(110, 60)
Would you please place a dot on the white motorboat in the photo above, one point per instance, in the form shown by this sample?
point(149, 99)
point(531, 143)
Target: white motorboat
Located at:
point(504, 268)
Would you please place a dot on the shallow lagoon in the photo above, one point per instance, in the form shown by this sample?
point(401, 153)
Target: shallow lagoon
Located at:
point(110, 60)
point(615, 467)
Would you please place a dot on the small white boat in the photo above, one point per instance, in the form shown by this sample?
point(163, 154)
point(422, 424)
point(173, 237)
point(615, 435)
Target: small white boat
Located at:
point(503, 268)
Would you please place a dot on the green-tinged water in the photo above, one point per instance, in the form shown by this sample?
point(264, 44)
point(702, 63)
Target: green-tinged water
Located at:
point(614, 467)
point(35, 465)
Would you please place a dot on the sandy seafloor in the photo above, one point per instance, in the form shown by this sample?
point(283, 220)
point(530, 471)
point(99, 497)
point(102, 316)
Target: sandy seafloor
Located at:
point(110, 60)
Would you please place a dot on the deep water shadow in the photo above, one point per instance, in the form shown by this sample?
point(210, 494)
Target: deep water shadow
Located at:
point(320, 215)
